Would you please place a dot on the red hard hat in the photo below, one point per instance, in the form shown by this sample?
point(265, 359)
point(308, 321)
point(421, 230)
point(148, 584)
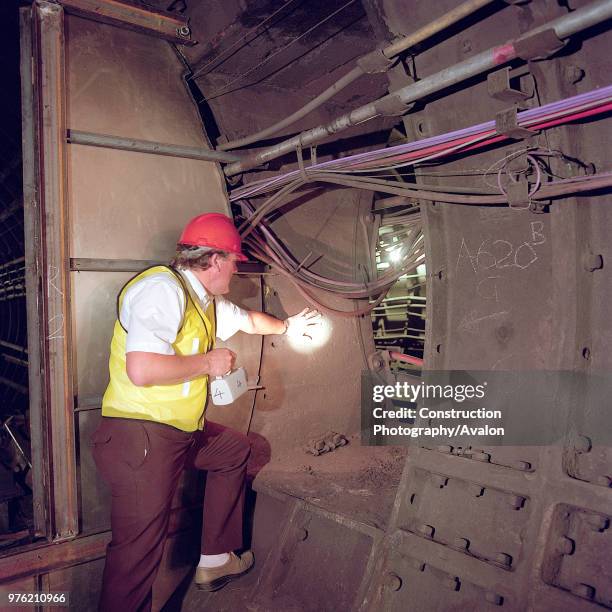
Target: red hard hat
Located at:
point(214, 230)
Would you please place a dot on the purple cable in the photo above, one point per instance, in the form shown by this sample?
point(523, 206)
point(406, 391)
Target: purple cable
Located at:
point(532, 114)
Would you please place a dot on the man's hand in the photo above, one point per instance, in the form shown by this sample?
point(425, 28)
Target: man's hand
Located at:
point(303, 323)
point(219, 361)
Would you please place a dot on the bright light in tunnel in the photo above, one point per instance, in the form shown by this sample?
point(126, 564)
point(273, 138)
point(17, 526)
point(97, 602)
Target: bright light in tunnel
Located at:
point(320, 334)
point(396, 255)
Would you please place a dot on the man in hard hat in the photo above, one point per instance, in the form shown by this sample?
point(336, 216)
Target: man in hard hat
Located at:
point(162, 353)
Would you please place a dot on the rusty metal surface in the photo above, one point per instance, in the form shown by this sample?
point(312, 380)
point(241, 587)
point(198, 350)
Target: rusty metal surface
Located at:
point(122, 206)
point(125, 14)
point(131, 94)
point(506, 291)
point(313, 545)
point(33, 274)
point(83, 582)
point(305, 396)
point(43, 559)
point(52, 127)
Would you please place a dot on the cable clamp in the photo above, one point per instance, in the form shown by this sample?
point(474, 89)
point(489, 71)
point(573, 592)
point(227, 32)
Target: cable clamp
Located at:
point(518, 193)
point(506, 124)
point(499, 85)
point(391, 106)
point(300, 160)
point(538, 46)
point(375, 62)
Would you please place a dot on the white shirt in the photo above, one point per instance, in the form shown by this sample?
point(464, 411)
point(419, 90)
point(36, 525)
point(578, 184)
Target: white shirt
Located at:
point(152, 312)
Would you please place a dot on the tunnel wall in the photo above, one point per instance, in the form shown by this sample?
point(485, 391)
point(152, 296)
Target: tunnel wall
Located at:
point(498, 527)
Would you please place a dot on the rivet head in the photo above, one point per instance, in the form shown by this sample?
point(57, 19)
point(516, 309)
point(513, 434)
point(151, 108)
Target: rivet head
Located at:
point(566, 546)
point(452, 582)
point(494, 598)
point(517, 501)
point(461, 543)
point(392, 581)
point(302, 534)
point(597, 522)
point(573, 74)
point(592, 262)
point(426, 530)
point(476, 490)
point(582, 444)
point(503, 559)
point(584, 590)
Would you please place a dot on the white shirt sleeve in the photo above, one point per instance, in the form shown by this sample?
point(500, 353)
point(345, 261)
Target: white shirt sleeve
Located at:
point(230, 318)
point(152, 313)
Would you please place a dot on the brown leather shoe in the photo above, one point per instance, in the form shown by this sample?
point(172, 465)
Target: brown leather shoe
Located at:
point(213, 578)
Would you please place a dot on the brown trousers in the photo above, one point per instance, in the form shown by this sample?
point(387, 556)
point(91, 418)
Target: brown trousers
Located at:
point(141, 462)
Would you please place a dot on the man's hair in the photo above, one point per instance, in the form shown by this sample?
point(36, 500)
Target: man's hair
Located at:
point(191, 257)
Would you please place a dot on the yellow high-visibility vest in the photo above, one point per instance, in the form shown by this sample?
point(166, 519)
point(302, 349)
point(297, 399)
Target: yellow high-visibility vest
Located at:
point(179, 405)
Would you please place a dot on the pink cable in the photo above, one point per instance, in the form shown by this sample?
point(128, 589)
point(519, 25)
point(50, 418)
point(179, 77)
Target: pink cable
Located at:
point(406, 358)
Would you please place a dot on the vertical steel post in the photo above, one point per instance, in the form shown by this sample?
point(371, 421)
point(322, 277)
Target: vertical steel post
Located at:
point(51, 100)
point(33, 281)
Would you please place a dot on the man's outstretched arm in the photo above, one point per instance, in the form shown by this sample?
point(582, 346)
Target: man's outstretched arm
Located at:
point(297, 325)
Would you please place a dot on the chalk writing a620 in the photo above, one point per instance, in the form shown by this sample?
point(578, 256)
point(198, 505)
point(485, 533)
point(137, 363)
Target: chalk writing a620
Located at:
point(499, 254)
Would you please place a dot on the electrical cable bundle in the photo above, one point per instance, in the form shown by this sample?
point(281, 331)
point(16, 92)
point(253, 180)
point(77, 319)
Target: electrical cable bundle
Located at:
point(359, 171)
point(270, 250)
point(428, 149)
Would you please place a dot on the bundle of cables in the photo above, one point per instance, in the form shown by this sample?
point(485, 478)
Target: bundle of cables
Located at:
point(360, 170)
point(269, 249)
point(578, 107)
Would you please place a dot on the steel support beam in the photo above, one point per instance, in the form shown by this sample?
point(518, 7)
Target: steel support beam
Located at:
point(50, 90)
point(148, 146)
point(157, 23)
point(85, 264)
point(33, 281)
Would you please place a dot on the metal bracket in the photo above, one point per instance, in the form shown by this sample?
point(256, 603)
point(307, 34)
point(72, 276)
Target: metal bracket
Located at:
point(499, 87)
point(538, 46)
point(506, 123)
point(392, 106)
point(518, 193)
point(374, 62)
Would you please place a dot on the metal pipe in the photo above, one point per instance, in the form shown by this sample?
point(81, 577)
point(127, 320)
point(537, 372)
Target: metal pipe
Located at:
point(11, 263)
point(564, 26)
point(148, 146)
point(14, 347)
point(14, 439)
point(448, 19)
point(315, 103)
